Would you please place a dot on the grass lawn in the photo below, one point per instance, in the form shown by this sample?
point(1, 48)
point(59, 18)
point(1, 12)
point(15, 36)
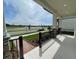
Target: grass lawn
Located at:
point(34, 37)
point(31, 37)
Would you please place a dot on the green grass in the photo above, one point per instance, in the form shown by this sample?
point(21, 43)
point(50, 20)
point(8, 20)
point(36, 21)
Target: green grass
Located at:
point(15, 30)
point(31, 37)
point(34, 37)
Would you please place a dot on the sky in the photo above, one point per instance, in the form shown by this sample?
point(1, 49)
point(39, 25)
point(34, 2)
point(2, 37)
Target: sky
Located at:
point(25, 12)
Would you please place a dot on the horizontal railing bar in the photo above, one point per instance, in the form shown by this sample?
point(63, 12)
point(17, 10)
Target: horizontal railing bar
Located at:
point(23, 33)
point(16, 37)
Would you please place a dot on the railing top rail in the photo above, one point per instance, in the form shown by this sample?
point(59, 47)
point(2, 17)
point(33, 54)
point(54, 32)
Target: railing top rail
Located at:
point(16, 37)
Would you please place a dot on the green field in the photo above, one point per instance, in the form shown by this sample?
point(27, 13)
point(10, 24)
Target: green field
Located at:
point(34, 37)
point(31, 37)
point(20, 30)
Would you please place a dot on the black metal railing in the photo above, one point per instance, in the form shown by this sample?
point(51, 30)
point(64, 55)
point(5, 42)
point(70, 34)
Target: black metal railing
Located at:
point(21, 47)
point(43, 37)
point(16, 45)
point(16, 48)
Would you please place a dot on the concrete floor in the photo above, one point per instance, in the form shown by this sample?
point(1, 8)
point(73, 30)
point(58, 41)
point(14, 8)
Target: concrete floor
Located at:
point(67, 50)
point(64, 47)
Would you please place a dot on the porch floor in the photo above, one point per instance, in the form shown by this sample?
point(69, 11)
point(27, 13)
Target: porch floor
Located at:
point(64, 47)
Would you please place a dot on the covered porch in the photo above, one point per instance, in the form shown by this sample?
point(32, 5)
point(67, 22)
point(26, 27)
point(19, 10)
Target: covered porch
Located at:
point(62, 45)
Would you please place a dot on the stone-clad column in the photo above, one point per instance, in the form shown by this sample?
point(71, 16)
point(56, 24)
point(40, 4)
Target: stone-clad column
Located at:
point(6, 37)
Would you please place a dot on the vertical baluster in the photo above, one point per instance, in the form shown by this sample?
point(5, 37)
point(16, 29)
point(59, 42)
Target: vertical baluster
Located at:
point(17, 48)
point(55, 33)
point(49, 33)
point(12, 49)
point(21, 47)
point(40, 36)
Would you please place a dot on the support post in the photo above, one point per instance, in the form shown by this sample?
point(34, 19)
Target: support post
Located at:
point(58, 23)
point(21, 47)
point(50, 32)
point(12, 49)
point(40, 36)
point(17, 47)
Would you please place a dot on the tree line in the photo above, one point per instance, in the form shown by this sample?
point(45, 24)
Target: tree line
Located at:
point(12, 25)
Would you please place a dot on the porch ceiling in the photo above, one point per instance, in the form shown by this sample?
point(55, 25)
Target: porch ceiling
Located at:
point(62, 8)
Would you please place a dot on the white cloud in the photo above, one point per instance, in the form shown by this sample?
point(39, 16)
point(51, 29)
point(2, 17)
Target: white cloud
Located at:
point(29, 12)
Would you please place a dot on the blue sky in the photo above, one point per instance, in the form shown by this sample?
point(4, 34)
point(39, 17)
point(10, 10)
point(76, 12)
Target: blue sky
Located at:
point(25, 12)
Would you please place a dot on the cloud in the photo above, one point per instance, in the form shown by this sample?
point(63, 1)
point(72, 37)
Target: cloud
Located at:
point(27, 12)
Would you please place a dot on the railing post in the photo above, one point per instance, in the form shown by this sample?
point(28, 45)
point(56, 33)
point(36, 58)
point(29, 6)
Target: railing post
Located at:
point(59, 31)
point(49, 33)
point(17, 48)
point(12, 49)
point(21, 47)
point(54, 33)
point(40, 36)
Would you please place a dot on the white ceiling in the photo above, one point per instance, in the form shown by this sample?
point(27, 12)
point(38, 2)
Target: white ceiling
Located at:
point(62, 8)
